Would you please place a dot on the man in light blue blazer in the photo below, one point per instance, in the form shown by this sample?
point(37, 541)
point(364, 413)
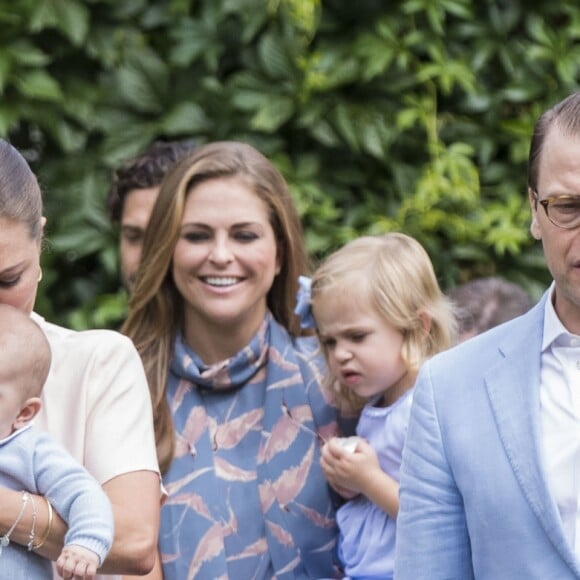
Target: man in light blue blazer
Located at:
point(490, 481)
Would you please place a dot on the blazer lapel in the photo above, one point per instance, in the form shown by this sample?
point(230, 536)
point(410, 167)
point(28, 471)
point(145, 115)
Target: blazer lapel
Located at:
point(513, 389)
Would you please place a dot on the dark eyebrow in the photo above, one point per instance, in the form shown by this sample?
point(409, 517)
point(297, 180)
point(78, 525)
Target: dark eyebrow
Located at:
point(195, 225)
point(239, 225)
point(570, 196)
point(246, 225)
point(12, 269)
point(132, 228)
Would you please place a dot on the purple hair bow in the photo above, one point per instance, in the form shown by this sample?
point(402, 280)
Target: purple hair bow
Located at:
point(303, 307)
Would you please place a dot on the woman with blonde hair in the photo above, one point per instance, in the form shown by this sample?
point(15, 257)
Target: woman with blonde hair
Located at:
point(379, 314)
point(239, 409)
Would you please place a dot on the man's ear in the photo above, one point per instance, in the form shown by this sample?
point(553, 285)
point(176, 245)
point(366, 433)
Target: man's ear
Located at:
point(27, 413)
point(534, 227)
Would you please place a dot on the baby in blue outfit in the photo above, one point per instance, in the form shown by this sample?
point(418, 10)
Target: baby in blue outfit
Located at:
point(32, 462)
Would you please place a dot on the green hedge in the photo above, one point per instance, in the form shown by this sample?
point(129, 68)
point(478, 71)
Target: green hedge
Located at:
point(410, 115)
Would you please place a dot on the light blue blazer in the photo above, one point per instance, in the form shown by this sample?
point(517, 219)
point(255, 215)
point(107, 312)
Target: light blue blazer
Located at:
point(474, 499)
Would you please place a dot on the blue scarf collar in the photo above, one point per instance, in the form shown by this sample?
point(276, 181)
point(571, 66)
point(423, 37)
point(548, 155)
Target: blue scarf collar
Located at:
point(229, 374)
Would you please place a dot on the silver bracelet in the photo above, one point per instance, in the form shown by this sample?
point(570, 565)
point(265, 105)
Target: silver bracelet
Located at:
point(32, 533)
point(5, 539)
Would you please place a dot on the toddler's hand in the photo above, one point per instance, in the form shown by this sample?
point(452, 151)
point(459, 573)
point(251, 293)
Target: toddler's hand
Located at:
point(343, 492)
point(77, 563)
point(346, 470)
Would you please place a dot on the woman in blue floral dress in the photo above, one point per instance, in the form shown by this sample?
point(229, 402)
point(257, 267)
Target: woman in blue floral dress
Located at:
point(239, 409)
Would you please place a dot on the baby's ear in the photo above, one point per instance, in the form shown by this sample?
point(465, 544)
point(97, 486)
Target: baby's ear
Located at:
point(425, 319)
point(27, 413)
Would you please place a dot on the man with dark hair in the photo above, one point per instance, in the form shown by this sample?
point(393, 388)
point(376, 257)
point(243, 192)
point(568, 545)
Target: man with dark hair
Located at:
point(483, 303)
point(133, 193)
point(490, 480)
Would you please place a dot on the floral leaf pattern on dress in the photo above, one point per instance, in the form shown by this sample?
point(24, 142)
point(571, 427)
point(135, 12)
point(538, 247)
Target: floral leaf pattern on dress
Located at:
point(249, 431)
point(209, 547)
point(317, 518)
point(280, 534)
point(258, 548)
point(291, 481)
point(284, 433)
point(193, 501)
point(175, 486)
point(238, 428)
point(229, 472)
point(194, 427)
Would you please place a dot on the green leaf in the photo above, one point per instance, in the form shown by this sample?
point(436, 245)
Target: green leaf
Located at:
point(324, 134)
point(37, 84)
point(184, 118)
point(344, 120)
point(249, 100)
point(275, 112)
point(44, 15)
point(191, 41)
point(8, 119)
point(127, 141)
point(69, 137)
point(5, 70)
point(73, 20)
point(81, 241)
point(274, 58)
point(371, 140)
point(25, 53)
point(143, 84)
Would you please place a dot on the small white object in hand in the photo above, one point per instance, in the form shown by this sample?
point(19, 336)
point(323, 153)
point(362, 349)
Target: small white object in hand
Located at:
point(348, 443)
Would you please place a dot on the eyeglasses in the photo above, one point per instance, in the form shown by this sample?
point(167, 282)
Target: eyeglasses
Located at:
point(562, 210)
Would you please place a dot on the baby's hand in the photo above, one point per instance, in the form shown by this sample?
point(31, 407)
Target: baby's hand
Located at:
point(77, 563)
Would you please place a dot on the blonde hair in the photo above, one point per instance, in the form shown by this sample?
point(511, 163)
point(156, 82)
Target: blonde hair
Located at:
point(394, 274)
point(156, 307)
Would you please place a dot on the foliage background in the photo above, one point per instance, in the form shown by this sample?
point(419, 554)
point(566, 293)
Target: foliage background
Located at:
point(410, 115)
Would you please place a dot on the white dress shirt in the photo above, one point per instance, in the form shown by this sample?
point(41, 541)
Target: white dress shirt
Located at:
point(560, 420)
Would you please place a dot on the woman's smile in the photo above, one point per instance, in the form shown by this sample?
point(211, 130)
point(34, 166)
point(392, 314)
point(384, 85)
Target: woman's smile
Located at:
point(221, 281)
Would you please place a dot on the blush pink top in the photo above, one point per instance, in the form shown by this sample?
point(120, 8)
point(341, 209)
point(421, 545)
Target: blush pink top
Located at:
point(96, 402)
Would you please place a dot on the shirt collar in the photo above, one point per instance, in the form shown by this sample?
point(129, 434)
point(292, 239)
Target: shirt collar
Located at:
point(554, 330)
point(15, 434)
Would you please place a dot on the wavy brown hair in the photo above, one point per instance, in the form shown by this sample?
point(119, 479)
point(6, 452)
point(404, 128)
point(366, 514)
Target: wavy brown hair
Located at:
point(156, 307)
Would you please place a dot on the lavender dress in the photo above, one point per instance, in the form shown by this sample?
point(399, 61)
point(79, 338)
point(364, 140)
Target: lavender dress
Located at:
point(367, 533)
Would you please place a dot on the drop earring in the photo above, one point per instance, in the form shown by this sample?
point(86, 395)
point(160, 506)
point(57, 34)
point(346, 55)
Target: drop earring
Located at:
point(40, 275)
